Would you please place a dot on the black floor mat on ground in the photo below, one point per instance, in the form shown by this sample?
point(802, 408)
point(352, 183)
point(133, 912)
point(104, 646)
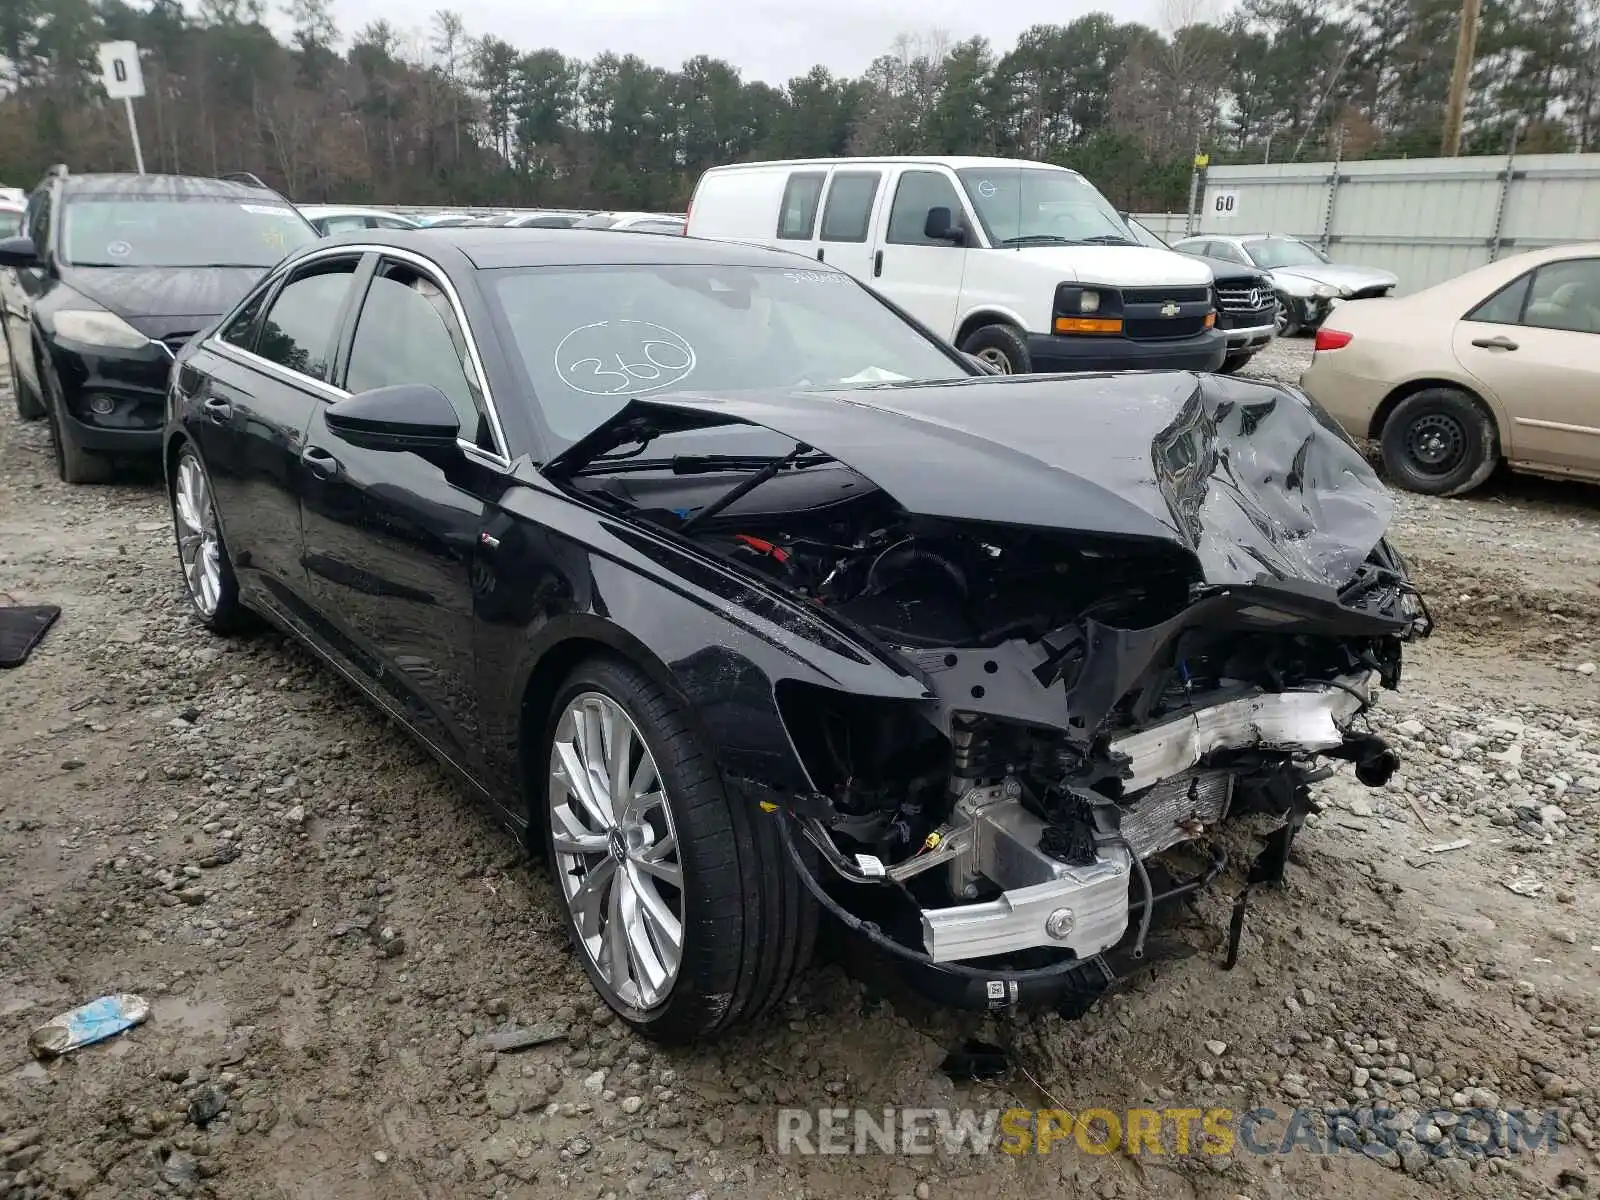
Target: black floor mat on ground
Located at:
point(21, 628)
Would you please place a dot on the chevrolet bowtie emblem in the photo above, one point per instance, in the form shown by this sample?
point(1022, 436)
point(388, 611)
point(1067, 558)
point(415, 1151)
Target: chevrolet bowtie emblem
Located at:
point(1169, 309)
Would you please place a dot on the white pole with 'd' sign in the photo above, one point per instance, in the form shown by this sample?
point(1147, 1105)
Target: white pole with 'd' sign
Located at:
point(123, 78)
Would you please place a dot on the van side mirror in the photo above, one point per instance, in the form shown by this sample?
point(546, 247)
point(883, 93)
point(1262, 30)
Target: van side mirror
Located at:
point(942, 227)
point(18, 252)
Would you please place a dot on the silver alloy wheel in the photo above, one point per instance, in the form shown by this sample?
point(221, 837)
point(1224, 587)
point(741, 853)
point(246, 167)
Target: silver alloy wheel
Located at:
point(996, 358)
point(616, 850)
point(199, 547)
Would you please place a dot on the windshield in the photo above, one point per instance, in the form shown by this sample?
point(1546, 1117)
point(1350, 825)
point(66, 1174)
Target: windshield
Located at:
point(10, 222)
point(591, 338)
point(131, 231)
point(1284, 252)
point(1041, 205)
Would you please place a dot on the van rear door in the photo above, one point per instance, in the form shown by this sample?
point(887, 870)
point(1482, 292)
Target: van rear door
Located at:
point(919, 273)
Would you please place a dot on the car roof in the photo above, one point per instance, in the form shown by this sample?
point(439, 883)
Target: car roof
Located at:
point(955, 162)
point(167, 187)
point(490, 248)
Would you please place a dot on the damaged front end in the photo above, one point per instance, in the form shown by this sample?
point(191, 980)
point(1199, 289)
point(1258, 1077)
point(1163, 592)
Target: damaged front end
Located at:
point(1143, 608)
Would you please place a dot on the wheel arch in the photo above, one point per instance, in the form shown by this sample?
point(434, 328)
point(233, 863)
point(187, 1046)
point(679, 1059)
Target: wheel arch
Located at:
point(1386, 407)
point(988, 316)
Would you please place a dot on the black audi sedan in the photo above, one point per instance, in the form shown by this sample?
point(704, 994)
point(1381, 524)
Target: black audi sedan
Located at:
point(744, 599)
point(110, 275)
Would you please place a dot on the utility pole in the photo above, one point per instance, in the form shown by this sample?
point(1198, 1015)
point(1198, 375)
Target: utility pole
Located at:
point(1461, 77)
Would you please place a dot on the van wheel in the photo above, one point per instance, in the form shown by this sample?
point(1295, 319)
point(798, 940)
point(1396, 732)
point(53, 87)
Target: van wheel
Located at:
point(1001, 346)
point(1440, 442)
point(74, 464)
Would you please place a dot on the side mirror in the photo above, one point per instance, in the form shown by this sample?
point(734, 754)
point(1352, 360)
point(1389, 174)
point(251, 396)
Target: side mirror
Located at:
point(942, 227)
point(407, 416)
point(18, 252)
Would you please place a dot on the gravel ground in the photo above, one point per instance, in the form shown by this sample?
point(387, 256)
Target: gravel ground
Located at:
point(334, 939)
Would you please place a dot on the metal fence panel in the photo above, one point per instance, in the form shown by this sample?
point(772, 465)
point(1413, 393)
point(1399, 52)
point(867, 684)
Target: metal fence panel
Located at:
point(1425, 219)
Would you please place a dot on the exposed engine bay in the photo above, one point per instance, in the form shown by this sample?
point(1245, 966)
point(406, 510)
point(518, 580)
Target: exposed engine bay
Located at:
point(1099, 701)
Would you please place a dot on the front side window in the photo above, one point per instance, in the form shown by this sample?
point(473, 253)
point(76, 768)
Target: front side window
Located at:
point(10, 222)
point(849, 209)
point(914, 195)
point(592, 338)
point(345, 222)
point(300, 327)
point(1146, 236)
point(408, 333)
point(1021, 206)
point(798, 215)
point(1284, 252)
point(1565, 295)
point(135, 231)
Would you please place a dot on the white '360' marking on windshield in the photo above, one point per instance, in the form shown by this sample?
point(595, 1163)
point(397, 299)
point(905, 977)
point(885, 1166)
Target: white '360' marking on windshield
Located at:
point(622, 358)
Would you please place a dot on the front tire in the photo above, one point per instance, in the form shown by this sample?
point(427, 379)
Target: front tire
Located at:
point(1002, 347)
point(682, 905)
point(1440, 442)
point(1289, 316)
point(208, 577)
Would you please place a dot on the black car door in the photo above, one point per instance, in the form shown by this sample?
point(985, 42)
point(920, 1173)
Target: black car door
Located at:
point(265, 374)
point(390, 537)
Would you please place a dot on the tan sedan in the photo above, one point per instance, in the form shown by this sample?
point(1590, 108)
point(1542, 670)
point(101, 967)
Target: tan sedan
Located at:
point(1500, 363)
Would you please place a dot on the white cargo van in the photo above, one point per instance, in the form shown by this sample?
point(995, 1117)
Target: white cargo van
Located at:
point(1023, 264)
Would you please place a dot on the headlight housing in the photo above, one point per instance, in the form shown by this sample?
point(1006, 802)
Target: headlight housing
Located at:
point(1325, 291)
point(96, 327)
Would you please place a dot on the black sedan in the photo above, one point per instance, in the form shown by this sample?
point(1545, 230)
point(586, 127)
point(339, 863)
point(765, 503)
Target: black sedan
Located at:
point(745, 599)
point(113, 274)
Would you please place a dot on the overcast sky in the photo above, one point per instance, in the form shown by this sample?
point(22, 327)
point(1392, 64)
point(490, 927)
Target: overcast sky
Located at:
point(766, 39)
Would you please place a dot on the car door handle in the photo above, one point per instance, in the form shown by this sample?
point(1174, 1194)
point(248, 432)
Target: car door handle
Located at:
point(819, 254)
point(319, 462)
point(877, 264)
point(1494, 343)
point(219, 412)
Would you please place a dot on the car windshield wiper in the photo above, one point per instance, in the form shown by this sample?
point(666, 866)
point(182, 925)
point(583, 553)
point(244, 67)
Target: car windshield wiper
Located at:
point(1040, 239)
point(1110, 239)
point(692, 464)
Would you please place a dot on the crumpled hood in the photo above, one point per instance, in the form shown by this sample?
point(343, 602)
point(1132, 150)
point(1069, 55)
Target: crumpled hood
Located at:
point(1348, 278)
point(1248, 477)
point(152, 299)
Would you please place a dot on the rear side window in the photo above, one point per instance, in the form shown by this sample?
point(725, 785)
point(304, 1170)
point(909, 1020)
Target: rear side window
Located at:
point(1505, 306)
point(302, 325)
point(916, 193)
point(849, 209)
point(798, 216)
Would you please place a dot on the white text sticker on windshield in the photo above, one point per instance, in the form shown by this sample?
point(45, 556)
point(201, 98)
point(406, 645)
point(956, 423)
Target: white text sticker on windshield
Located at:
point(623, 358)
point(816, 277)
point(267, 210)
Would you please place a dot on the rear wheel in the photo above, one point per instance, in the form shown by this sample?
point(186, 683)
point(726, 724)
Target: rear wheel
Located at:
point(207, 572)
point(1001, 346)
point(683, 907)
point(1439, 441)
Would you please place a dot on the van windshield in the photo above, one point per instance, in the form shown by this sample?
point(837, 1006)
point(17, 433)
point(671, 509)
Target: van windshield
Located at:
point(1042, 206)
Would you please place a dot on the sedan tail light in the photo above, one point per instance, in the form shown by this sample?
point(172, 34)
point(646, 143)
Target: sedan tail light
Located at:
point(1332, 339)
